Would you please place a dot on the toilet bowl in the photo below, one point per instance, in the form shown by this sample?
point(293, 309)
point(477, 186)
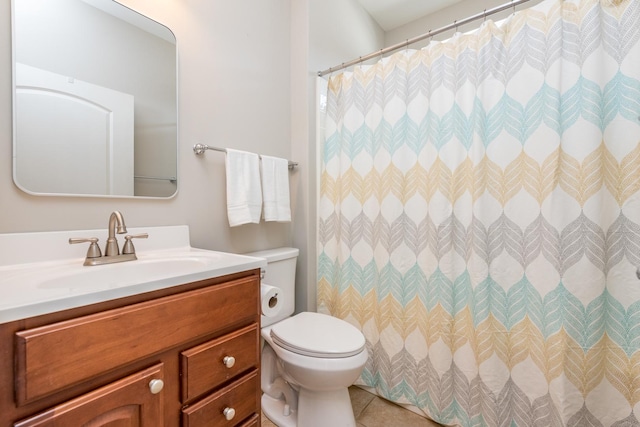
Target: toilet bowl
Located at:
point(318, 357)
point(309, 359)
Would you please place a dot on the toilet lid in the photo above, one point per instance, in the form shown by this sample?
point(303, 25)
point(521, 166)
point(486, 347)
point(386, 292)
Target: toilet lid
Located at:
point(318, 335)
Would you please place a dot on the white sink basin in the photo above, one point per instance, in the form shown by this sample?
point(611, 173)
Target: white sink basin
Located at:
point(131, 272)
point(44, 284)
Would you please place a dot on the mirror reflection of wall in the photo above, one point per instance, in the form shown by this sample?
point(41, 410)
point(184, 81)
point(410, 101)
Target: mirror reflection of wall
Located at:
point(105, 45)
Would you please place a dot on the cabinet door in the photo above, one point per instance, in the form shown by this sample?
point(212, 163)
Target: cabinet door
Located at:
point(134, 401)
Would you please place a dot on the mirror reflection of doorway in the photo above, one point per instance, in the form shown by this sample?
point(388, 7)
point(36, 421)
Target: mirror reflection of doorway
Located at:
point(79, 136)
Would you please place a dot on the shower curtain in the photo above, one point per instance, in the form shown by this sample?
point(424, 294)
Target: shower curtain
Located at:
point(479, 219)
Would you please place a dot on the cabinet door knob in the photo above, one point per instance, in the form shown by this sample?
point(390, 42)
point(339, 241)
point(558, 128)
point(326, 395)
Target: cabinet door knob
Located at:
point(229, 413)
point(156, 386)
point(229, 361)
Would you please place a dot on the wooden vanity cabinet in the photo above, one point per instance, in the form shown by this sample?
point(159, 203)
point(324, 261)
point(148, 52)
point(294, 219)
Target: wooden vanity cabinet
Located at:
point(126, 402)
point(183, 356)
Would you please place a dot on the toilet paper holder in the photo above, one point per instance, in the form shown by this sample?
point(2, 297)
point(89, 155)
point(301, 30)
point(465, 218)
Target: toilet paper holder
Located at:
point(273, 301)
point(270, 301)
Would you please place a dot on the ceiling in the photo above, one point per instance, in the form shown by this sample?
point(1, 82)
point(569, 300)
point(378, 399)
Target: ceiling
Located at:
point(391, 14)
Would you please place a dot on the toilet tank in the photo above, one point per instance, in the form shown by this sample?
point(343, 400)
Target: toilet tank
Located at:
point(281, 273)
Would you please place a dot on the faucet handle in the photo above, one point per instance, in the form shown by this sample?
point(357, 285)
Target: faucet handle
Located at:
point(128, 245)
point(94, 249)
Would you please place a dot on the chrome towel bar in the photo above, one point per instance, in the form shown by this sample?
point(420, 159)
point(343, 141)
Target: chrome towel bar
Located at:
point(201, 148)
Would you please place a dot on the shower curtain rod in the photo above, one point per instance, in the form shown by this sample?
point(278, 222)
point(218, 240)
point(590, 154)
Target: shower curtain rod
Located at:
point(413, 40)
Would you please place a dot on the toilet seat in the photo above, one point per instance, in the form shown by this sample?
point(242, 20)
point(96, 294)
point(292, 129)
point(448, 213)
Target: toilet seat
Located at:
point(318, 335)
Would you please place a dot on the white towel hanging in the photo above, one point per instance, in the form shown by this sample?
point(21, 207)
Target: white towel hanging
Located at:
point(275, 189)
point(244, 195)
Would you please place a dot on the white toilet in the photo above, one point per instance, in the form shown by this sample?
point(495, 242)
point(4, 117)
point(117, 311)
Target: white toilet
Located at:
point(308, 360)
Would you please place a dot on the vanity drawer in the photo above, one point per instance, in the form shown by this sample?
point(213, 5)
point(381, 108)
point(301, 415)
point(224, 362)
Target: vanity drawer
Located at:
point(204, 367)
point(251, 422)
point(56, 356)
point(242, 396)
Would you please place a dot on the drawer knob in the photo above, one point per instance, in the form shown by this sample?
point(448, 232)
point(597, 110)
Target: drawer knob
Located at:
point(229, 361)
point(156, 386)
point(229, 413)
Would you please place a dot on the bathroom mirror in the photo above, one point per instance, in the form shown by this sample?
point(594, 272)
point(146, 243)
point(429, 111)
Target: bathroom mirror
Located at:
point(94, 100)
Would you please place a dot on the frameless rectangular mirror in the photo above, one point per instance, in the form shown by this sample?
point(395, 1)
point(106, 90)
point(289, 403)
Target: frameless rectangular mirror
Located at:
point(94, 100)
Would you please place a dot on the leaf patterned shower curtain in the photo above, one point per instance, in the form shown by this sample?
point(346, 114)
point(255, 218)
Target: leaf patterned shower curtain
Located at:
point(479, 219)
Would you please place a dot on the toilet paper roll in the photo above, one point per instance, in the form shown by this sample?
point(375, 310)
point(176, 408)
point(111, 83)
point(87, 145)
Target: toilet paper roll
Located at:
point(269, 300)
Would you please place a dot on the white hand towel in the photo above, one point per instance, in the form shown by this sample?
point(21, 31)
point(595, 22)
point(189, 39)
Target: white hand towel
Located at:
point(275, 189)
point(244, 196)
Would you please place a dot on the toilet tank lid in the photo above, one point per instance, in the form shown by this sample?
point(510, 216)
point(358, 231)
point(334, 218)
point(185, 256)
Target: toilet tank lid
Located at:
point(277, 254)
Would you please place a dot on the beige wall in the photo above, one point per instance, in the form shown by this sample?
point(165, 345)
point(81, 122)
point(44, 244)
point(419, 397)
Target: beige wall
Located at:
point(305, 214)
point(235, 91)
point(338, 30)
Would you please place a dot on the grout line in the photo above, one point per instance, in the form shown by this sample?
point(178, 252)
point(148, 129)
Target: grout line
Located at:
point(365, 409)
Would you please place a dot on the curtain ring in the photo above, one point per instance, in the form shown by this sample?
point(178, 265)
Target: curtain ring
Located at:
point(456, 24)
point(484, 15)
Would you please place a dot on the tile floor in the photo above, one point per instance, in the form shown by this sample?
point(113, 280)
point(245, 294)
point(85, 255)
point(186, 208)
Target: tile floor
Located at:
point(372, 411)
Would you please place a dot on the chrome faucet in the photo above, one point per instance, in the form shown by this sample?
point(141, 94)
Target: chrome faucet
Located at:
point(112, 243)
point(111, 250)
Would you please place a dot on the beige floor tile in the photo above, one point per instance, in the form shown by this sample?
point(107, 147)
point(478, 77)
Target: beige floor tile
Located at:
point(266, 422)
point(381, 413)
point(359, 399)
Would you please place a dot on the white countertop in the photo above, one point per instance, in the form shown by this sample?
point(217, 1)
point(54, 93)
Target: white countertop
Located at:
point(42, 273)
